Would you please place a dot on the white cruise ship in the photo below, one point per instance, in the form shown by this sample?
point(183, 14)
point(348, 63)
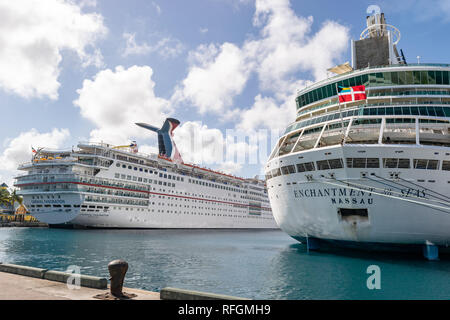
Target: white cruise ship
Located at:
point(367, 161)
point(105, 186)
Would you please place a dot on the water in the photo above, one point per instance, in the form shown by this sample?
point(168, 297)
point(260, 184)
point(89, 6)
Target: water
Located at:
point(252, 264)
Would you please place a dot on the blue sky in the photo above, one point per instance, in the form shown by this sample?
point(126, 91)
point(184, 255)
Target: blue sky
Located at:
point(86, 69)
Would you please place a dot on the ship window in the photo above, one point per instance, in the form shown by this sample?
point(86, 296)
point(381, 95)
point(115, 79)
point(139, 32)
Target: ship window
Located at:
point(426, 164)
point(373, 163)
point(323, 165)
point(117, 164)
point(130, 167)
point(288, 170)
point(124, 166)
point(394, 163)
point(404, 164)
point(446, 165)
point(336, 163)
point(390, 163)
point(276, 172)
point(329, 164)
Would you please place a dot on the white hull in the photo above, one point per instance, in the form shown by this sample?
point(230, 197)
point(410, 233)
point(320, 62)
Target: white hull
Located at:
point(394, 216)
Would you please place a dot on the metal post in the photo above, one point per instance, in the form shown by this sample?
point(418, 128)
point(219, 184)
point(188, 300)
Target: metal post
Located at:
point(340, 113)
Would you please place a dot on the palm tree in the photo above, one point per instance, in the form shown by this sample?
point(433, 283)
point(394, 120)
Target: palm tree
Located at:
point(5, 197)
point(14, 197)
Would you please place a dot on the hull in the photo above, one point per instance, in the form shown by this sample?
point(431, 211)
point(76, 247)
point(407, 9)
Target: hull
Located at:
point(357, 209)
point(145, 219)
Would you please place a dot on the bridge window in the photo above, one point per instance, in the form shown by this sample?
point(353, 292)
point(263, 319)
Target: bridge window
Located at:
point(330, 164)
point(426, 164)
point(446, 165)
point(288, 170)
point(305, 167)
point(363, 162)
point(394, 163)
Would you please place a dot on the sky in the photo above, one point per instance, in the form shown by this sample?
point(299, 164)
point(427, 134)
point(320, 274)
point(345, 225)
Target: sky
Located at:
point(229, 70)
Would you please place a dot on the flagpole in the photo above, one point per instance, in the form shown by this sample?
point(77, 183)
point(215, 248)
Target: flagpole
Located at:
point(340, 114)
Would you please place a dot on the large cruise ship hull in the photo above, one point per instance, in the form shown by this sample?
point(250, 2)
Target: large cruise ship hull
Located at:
point(365, 206)
point(146, 220)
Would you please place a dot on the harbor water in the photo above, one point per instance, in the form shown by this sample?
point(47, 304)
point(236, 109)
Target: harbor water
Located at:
point(251, 264)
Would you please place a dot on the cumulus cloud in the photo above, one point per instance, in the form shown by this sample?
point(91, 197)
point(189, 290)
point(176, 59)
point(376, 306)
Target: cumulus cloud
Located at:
point(18, 150)
point(219, 74)
point(33, 34)
point(115, 99)
point(199, 144)
point(87, 3)
point(166, 47)
point(207, 146)
point(284, 48)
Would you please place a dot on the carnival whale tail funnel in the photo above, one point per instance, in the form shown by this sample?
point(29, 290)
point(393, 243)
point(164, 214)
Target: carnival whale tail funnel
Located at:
point(167, 147)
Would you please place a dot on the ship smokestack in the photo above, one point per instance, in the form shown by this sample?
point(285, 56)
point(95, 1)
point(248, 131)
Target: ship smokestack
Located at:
point(167, 147)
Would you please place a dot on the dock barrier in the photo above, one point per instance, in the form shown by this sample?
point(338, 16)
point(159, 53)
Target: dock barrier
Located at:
point(52, 275)
point(182, 294)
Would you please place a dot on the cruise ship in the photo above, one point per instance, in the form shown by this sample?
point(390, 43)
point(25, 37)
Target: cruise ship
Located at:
point(366, 164)
point(103, 186)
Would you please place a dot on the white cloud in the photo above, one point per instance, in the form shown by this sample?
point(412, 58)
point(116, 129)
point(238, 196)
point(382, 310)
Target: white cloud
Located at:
point(157, 7)
point(33, 33)
point(166, 47)
point(266, 113)
point(284, 49)
point(87, 3)
point(115, 99)
point(203, 30)
point(287, 47)
point(218, 75)
point(204, 146)
point(199, 144)
point(18, 150)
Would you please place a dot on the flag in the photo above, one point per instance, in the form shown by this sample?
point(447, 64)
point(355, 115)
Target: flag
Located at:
point(33, 150)
point(134, 147)
point(350, 94)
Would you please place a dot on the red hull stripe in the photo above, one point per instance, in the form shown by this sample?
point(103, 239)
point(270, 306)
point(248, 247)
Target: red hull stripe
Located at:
point(142, 191)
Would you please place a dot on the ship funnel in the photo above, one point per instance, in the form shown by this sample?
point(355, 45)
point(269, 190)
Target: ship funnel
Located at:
point(377, 45)
point(167, 147)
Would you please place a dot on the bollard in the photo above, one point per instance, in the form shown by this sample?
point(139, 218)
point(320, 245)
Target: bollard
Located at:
point(117, 270)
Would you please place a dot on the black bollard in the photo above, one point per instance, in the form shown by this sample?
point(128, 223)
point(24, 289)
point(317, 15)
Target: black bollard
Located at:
point(117, 270)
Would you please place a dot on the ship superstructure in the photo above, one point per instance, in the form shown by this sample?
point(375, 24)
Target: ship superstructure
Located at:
point(101, 185)
point(373, 170)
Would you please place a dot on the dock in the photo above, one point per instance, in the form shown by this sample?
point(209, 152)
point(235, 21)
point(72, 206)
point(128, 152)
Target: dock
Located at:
point(30, 283)
point(18, 287)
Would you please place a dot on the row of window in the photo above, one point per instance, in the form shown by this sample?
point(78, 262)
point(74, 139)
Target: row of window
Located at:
point(376, 80)
point(363, 163)
point(173, 177)
point(427, 111)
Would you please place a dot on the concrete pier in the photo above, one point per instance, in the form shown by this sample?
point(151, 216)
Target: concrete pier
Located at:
point(18, 287)
point(29, 283)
